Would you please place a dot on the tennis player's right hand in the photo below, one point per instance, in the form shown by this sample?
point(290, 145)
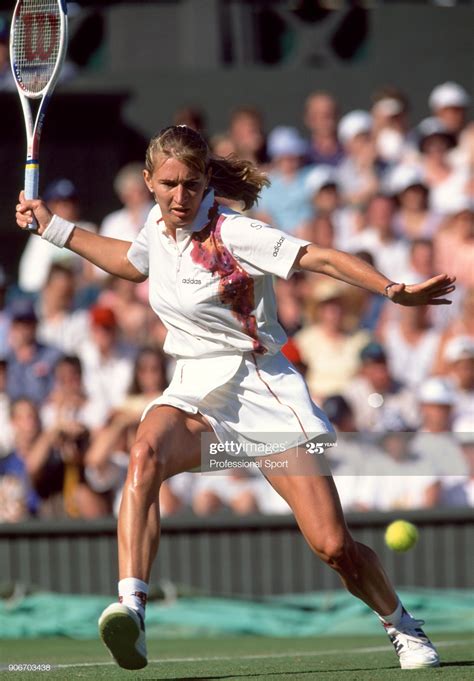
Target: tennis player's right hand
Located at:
point(25, 210)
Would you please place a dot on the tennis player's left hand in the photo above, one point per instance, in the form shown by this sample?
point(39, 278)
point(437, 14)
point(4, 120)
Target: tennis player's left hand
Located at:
point(429, 292)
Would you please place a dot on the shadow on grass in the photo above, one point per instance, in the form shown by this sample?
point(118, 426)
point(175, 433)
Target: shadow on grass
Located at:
point(318, 672)
point(459, 663)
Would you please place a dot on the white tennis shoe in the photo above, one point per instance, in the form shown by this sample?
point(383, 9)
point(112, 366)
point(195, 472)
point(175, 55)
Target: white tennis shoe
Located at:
point(122, 630)
point(412, 645)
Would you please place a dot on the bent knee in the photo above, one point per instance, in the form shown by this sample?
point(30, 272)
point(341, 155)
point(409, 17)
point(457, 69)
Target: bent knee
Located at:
point(337, 550)
point(146, 461)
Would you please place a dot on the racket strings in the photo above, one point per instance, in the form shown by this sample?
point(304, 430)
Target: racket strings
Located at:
point(36, 43)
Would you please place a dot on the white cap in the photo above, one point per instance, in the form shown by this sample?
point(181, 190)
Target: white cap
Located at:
point(354, 123)
point(431, 126)
point(286, 141)
point(463, 427)
point(388, 106)
point(459, 347)
point(319, 177)
point(404, 176)
point(437, 391)
point(448, 94)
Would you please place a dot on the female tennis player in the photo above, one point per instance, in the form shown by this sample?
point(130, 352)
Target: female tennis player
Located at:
point(210, 272)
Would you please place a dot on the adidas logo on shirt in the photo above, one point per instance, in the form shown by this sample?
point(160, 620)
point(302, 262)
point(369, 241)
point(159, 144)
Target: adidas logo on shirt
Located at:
point(277, 246)
point(190, 281)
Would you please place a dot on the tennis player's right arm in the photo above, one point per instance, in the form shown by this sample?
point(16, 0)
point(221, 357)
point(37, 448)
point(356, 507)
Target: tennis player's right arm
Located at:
point(107, 253)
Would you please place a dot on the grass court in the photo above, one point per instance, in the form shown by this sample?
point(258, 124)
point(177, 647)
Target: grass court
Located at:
point(341, 658)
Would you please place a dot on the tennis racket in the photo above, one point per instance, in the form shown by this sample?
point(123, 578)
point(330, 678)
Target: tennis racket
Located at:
point(38, 43)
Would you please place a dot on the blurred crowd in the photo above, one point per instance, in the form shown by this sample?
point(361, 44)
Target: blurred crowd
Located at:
point(81, 352)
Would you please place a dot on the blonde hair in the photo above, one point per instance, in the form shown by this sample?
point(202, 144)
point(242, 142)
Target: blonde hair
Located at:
point(230, 177)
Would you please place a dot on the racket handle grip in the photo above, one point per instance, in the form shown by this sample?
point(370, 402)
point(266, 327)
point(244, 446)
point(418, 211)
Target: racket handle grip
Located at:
point(31, 186)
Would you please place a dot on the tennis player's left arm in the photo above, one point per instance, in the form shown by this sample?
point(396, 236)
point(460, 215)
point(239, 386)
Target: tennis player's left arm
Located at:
point(353, 270)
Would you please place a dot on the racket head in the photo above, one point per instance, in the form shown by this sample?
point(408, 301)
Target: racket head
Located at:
point(38, 43)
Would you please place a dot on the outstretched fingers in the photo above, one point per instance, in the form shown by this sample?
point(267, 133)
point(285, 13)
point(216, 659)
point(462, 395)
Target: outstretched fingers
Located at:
point(439, 301)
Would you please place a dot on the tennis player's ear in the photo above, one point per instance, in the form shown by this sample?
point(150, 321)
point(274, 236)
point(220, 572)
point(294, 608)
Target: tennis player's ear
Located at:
point(147, 179)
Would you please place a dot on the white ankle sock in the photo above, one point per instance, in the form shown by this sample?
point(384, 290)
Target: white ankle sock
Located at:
point(133, 592)
point(394, 617)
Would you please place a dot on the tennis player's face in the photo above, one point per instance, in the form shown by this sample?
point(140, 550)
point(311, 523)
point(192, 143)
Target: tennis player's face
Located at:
point(178, 190)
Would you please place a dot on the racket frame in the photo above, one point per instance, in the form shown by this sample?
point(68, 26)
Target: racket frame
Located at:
point(34, 128)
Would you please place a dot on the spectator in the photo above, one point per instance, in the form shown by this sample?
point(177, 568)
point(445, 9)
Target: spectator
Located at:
point(400, 478)
point(378, 401)
point(130, 187)
point(39, 255)
point(285, 203)
point(321, 118)
point(56, 465)
point(106, 459)
point(107, 364)
point(358, 172)
point(223, 145)
point(390, 124)
point(176, 494)
point(247, 134)
point(107, 456)
point(290, 294)
point(459, 359)
point(326, 347)
point(18, 499)
point(348, 459)
point(448, 184)
point(421, 261)
point(434, 443)
point(60, 326)
point(120, 295)
point(240, 493)
point(449, 103)
point(5, 429)
point(322, 185)
point(421, 266)
point(390, 253)
point(319, 230)
point(411, 344)
point(459, 490)
point(149, 380)
point(68, 400)
point(413, 219)
point(462, 325)
point(30, 364)
point(339, 411)
point(454, 244)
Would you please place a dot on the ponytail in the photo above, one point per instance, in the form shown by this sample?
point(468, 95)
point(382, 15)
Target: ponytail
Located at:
point(236, 179)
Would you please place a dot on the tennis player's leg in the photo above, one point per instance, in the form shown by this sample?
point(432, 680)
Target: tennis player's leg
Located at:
point(315, 503)
point(167, 443)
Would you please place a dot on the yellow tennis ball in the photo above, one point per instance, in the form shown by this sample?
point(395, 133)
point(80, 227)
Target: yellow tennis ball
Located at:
point(401, 535)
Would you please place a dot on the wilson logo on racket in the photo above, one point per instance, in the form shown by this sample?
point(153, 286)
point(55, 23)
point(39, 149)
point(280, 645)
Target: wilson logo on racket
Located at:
point(41, 35)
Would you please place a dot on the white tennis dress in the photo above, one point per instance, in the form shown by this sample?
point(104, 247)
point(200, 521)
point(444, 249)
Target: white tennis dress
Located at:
point(212, 287)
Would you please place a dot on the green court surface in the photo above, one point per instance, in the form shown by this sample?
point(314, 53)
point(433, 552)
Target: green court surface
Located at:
point(338, 658)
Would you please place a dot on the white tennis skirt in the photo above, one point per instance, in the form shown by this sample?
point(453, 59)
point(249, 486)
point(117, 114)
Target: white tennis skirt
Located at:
point(247, 398)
